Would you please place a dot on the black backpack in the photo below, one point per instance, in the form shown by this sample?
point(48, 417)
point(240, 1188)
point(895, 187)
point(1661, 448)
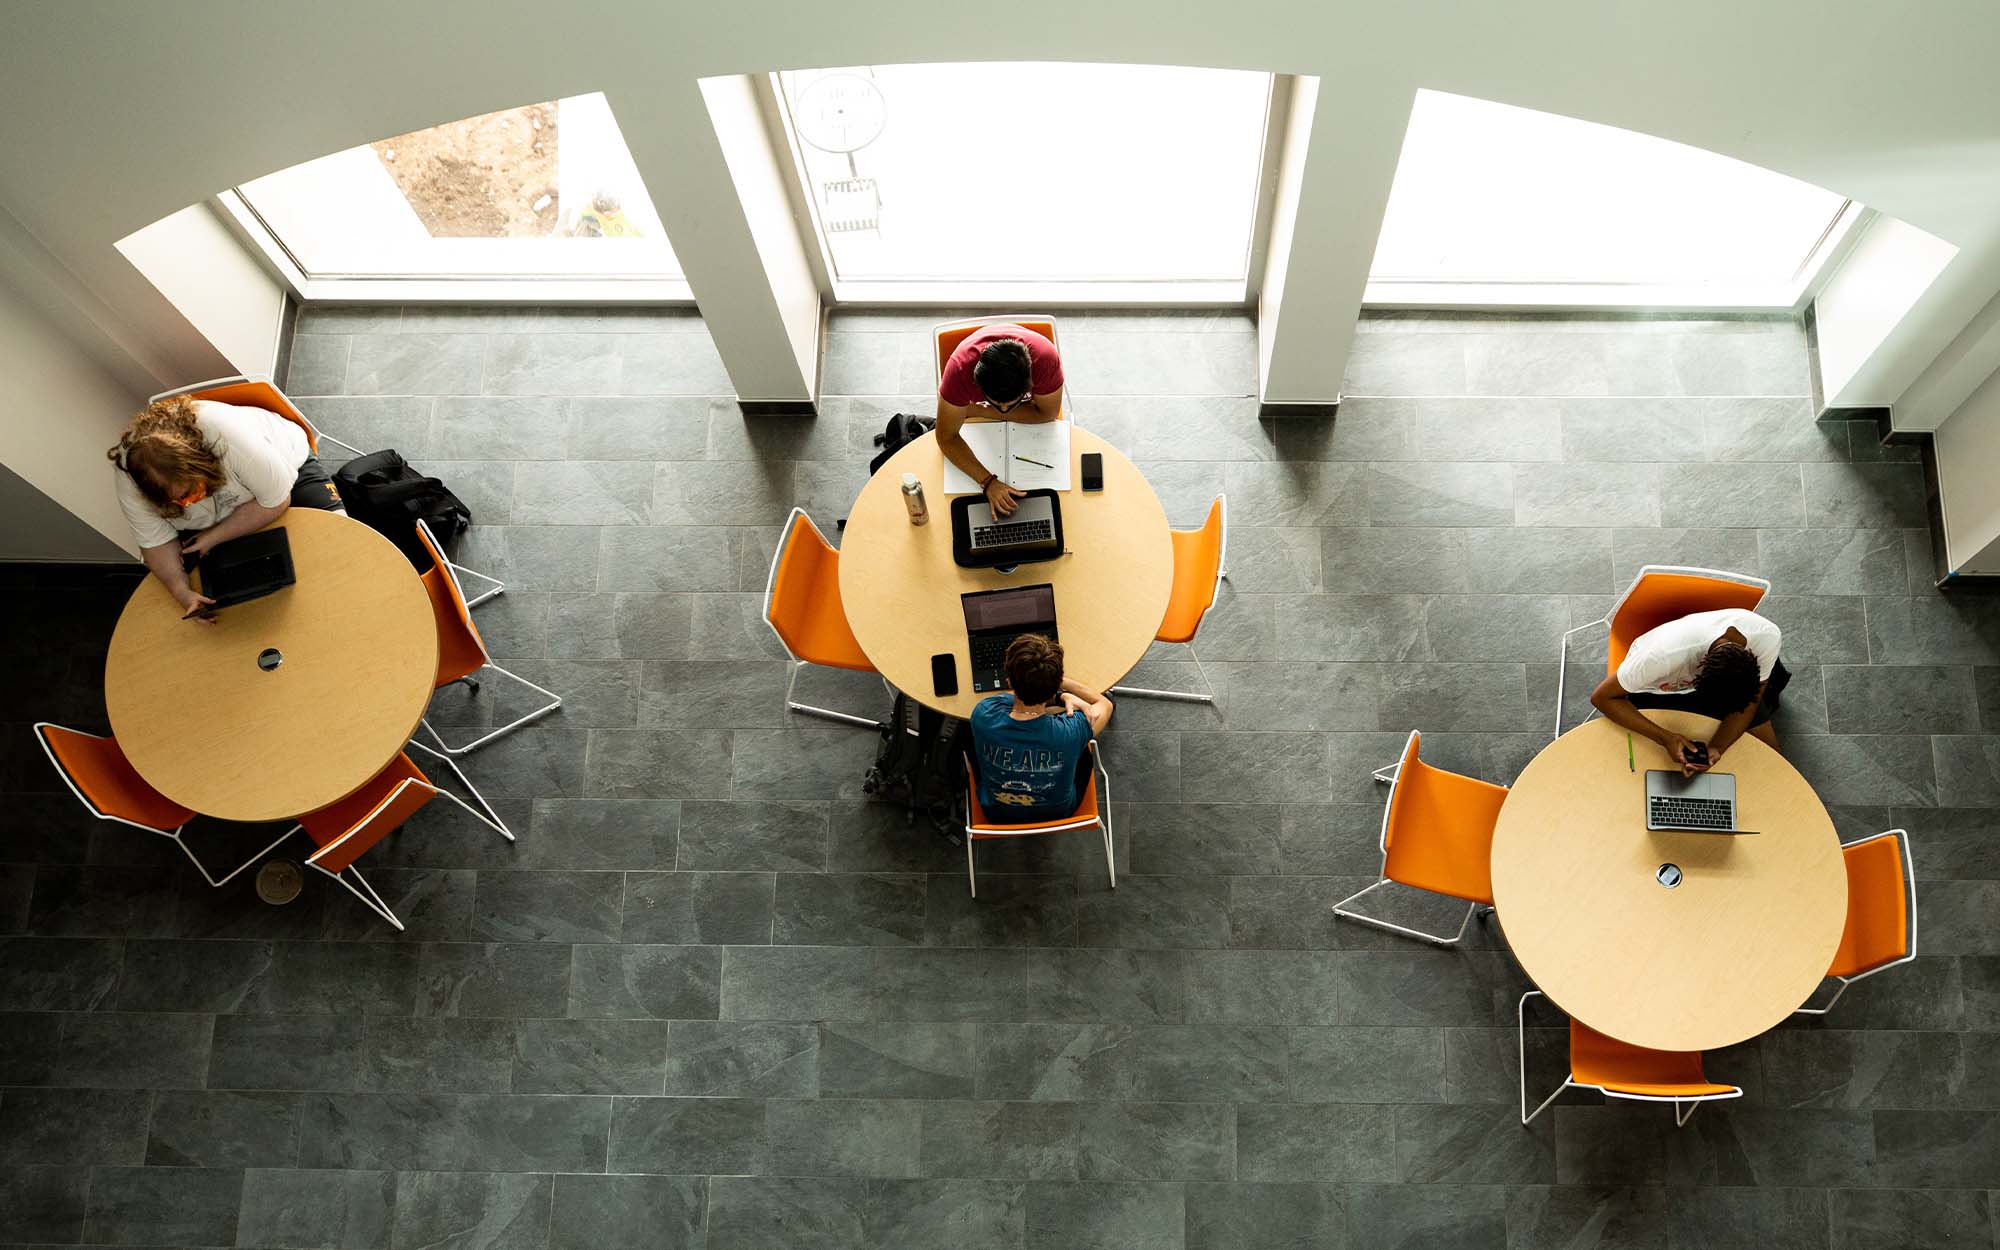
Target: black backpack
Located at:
point(921, 762)
point(382, 491)
point(902, 430)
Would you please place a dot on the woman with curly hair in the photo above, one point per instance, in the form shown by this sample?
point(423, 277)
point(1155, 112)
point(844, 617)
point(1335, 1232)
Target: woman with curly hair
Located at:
point(192, 473)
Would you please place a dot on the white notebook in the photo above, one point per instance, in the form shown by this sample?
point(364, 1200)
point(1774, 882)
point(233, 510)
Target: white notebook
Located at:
point(1027, 457)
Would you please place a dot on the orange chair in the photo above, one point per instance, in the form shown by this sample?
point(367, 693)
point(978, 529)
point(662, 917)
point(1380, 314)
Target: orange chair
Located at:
point(1200, 567)
point(1091, 812)
point(462, 654)
point(1620, 1070)
point(109, 788)
point(1437, 835)
point(1881, 927)
point(257, 391)
point(345, 830)
point(946, 337)
point(1661, 593)
point(802, 607)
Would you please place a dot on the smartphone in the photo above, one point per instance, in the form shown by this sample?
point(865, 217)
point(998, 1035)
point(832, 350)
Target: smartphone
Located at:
point(1093, 470)
point(944, 674)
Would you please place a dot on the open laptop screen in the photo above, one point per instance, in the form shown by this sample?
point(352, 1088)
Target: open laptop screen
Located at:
point(990, 610)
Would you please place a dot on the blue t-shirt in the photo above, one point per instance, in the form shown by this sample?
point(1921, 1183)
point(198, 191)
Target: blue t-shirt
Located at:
point(1027, 768)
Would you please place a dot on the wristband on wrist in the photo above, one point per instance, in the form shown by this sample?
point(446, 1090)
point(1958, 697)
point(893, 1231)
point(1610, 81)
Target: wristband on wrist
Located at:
point(988, 480)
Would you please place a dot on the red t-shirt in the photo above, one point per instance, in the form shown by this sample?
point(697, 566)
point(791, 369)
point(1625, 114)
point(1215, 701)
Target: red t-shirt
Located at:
point(956, 386)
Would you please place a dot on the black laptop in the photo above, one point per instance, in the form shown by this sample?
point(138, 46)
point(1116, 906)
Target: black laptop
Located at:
point(247, 568)
point(995, 618)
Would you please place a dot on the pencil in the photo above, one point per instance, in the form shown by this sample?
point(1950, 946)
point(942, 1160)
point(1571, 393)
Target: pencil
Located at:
point(1630, 766)
point(1025, 460)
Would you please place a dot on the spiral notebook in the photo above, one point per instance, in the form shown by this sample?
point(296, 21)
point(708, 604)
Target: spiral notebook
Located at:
point(1027, 457)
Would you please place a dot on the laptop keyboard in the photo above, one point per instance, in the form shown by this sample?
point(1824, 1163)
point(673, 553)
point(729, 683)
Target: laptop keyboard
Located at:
point(1013, 533)
point(1690, 813)
point(988, 656)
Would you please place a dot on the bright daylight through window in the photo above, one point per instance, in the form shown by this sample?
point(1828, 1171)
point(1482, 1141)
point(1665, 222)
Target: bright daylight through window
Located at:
point(1490, 193)
point(547, 190)
point(1007, 172)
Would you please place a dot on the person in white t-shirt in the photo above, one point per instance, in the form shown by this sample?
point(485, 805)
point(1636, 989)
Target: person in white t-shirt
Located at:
point(193, 473)
point(1721, 664)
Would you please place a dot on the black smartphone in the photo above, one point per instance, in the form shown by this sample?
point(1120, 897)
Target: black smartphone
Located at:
point(944, 674)
point(1093, 470)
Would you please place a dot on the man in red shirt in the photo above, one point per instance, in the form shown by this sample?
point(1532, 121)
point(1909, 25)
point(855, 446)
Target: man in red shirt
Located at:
point(998, 371)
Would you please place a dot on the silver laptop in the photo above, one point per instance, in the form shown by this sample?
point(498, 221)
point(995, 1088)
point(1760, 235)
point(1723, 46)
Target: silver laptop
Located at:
point(1703, 803)
point(1031, 528)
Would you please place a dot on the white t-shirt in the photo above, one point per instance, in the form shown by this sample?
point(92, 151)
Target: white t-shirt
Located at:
point(1663, 660)
point(261, 453)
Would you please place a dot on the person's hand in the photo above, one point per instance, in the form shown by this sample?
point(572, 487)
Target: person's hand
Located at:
point(1003, 497)
point(195, 603)
point(195, 546)
point(1071, 703)
point(1682, 752)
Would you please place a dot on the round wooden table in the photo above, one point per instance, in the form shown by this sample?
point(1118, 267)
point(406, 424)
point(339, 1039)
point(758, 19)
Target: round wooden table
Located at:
point(1730, 951)
point(901, 588)
point(210, 728)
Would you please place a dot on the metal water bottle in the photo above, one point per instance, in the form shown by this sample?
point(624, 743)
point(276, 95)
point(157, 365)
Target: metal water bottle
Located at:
point(913, 499)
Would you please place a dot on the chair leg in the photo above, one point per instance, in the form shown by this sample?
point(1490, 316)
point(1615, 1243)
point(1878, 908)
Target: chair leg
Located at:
point(494, 587)
point(232, 874)
point(1340, 909)
point(823, 713)
point(1562, 666)
point(1104, 824)
point(1178, 696)
point(971, 878)
point(371, 900)
point(555, 701)
point(1681, 1118)
point(1521, 1041)
point(1387, 774)
point(1820, 1011)
point(485, 812)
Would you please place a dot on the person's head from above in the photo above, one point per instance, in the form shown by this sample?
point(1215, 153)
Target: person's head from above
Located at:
point(1034, 667)
point(169, 462)
point(1728, 673)
point(1002, 374)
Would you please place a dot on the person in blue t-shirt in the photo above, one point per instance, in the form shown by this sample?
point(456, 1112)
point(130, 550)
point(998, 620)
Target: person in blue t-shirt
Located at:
point(1030, 750)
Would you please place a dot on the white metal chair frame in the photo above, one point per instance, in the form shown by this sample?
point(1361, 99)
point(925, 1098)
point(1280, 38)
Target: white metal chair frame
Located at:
point(1101, 821)
point(1389, 776)
point(1067, 406)
point(315, 435)
point(770, 586)
point(1221, 576)
point(1677, 570)
point(371, 899)
point(471, 680)
point(1681, 1118)
point(173, 834)
point(1910, 886)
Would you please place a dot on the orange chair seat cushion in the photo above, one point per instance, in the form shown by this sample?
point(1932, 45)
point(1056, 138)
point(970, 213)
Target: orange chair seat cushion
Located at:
point(1661, 597)
point(333, 822)
point(99, 769)
point(1878, 920)
point(1086, 810)
point(461, 652)
point(805, 605)
point(1610, 1064)
point(1197, 557)
point(1440, 831)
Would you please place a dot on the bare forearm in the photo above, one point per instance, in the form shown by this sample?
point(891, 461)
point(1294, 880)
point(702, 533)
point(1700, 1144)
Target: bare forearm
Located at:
point(1731, 728)
point(165, 561)
point(248, 518)
point(1619, 711)
point(1072, 686)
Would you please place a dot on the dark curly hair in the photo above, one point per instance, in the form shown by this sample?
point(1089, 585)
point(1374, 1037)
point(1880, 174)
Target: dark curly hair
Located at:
point(1728, 673)
point(1034, 667)
point(1003, 370)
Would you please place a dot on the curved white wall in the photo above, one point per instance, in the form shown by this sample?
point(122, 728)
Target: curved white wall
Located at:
point(114, 115)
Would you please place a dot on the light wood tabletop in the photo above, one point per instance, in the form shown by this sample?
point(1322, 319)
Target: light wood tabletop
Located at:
point(901, 588)
point(1741, 941)
point(211, 729)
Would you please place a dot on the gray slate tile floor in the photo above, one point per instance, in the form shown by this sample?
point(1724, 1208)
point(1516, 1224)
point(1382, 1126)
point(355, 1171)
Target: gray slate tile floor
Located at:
point(715, 999)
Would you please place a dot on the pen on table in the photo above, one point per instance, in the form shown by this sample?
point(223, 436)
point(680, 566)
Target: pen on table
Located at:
point(1025, 460)
point(1630, 766)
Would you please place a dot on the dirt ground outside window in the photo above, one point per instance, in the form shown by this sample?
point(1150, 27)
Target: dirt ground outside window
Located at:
point(485, 177)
